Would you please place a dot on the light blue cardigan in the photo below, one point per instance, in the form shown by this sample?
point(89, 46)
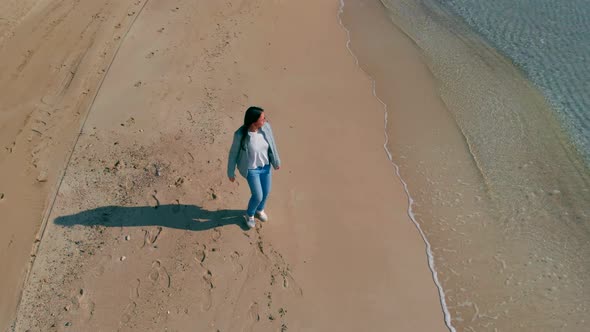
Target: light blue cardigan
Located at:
point(239, 157)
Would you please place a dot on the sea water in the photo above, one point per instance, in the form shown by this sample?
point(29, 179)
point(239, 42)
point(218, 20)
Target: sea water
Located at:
point(550, 42)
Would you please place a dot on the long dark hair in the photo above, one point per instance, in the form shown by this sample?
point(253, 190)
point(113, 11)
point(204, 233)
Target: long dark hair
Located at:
point(252, 115)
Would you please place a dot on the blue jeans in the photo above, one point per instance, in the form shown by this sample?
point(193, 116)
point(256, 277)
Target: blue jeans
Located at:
point(259, 180)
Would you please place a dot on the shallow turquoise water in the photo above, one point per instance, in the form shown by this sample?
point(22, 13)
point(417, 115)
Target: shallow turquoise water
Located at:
point(550, 41)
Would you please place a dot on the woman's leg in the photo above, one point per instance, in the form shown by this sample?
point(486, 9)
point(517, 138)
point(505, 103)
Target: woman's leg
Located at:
point(256, 190)
point(265, 184)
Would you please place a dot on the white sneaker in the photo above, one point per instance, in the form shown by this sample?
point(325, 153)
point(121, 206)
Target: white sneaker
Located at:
point(261, 215)
point(250, 222)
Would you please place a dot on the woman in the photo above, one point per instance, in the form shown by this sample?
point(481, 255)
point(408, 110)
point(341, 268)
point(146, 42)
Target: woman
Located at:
point(253, 151)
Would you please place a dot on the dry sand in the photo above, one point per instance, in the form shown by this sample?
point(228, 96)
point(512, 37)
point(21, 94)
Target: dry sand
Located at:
point(146, 232)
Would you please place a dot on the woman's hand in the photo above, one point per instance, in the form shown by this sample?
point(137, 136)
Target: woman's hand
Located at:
point(232, 179)
point(277, 168)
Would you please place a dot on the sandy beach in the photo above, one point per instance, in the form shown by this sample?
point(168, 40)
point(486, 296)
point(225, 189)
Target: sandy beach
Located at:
point(116, 208)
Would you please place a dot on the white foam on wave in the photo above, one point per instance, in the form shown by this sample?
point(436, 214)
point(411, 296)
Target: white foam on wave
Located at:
point(429, 254)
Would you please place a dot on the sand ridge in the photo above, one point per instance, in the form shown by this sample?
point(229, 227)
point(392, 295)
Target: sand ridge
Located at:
point(54, 56)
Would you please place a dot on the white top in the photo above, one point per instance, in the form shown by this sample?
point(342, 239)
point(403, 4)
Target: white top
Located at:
point(257, 150)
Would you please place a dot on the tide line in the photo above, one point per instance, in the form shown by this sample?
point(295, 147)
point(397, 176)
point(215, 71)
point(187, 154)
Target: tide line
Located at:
point(431, 264)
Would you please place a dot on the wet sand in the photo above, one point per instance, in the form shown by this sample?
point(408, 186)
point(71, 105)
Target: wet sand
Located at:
point(146, 232)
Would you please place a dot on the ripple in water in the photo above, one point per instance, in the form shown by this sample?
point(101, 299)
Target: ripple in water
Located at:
point(550, 41)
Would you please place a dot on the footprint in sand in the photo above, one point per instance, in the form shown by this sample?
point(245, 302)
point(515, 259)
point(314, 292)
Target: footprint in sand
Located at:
point(87, 309)
point(158, 274)
point(135, 290)
point(129, 312)
point(235, 261)
point(151, 236)
point(253, 317)
point(201, 254)
point(216, 235)
point(82, 305)
point(207, 301)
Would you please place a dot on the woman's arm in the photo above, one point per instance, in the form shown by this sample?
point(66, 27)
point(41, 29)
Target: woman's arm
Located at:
point(232, 159)
point(275, 151)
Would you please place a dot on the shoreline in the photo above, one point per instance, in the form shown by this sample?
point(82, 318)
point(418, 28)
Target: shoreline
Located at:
point(129, 249)
point(411, 215)
point(468, 203)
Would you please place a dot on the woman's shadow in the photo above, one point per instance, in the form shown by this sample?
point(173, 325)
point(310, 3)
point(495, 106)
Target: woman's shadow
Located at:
point(189, 217)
